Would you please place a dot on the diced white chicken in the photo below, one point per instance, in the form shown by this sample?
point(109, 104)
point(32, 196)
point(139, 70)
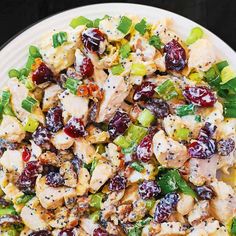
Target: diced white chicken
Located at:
point(102, 172)
point(18, 93)
point(11, 161)
point(96, 135)
point(202, 170)
point(171, 228)
point(223, 206)
point(199, 212)
point(201, 55)
point(88, 225)
point(12, 192)
point(160, 63)
point(49, 197)
point(63, 56)
point(83, 182)
point(50, 97)
point(36, 151)
point(26, 231)
point(74, 105)
point(11, 129)
point(109, 27)
point(113, 154)
point(68, 173)
point(84, 150)
point(226, 128)
point(32, 215)
point(131, 194)
point(61, 140)
point(99, 76)
point(185, 204)
point(169, 152)
point(115, 91)
point(60, 218)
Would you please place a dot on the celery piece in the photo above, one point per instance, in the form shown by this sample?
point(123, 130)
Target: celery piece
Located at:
point(227, 74)
point(135, 133)
point(196, 76)
point(81, 20)
point(146, 118)
point(195, 34)
point(221, 65)
point(137, 166)
point(10, 210)
point(24, 199)
point(138, 69)
point(124, 24)
point(121, 141)
point(141, 27)
point(185, 110)
point(117, 69)
point(125, 50)
point(95, 200)
point(13, 73)
point(95, 216)
point(167, 90)
point(182, 134)
point(31, 125)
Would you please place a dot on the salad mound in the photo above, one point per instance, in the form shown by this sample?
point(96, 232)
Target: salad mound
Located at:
point(118, 126)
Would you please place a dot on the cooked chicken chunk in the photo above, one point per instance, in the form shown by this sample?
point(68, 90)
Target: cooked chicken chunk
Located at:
point(171, 228)
point(83, 182)
point(11, 129)
point(88, 225)
point(115, 91)
point(61, 140)
point(169, 152)
point(185, 204)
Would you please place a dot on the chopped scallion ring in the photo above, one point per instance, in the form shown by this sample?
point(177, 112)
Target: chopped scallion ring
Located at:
point(34, 52)
point(13, 73)
point(59, 38)
point(138, 69)
point(155, 41)
point(125, 50)
point(5, 98)
point(141, 27)
point(137, 166)
point(72, 84)
point(29, 104)
point(117, 69)
point(31, 125)
point(124, 25)
point(81, 20)
point(195, 34)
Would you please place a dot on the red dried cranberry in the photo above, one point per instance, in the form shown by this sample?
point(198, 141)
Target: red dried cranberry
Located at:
point(75, 128)
point(41, 136)
point(148, 189)
point(117, 183)
point(54, 179)
point(42, 74)
point(144, 91)
point(100, 232)
point(54, 119)
point(225, 146)
point(118, 124)
point(26, 154)
point(86, 67)
point(207, 131)
point(158, 107)
point(165, 207)
point(202, 149)
point(175, 58)
point(66, 232)
point(205, 192)
point(200, 96)
point(41, 233)
point(144, 149)
point(93, 39)
point(93, 111)
point(76, 163)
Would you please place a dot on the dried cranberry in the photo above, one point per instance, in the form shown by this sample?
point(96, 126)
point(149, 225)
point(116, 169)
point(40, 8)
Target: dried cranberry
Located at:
point(225, 146)
point(100, 232)
point(148, 189)
point(117, 183)
point(144, 91)
point(66, 232)
point(4, 203)
point(41, 136)
point(175, 58)
point(26, 154)
point(76, 163)
point(200, 96)
point(93, 111)
point(144, 149)
point(75, 128)
point(165, 207)
point(54, 179)
point(93, 40)
point(42, 74)
point(54, 119)
point(86, 67)
point(205, 192)
point(118, 124)
point(158, 107)
point(32, 169)
point(202, 149)
point(41, 233)
point(207, 131)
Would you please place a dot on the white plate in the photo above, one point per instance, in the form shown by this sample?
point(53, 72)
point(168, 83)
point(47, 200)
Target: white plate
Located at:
point(14, 54)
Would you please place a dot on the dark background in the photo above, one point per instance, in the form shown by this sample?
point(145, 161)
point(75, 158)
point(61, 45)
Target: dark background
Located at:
point(219, 16)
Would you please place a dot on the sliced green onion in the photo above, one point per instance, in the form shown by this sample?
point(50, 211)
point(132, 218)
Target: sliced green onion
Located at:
point(167, 90)
point(125, 50)
point(221, 65)
point(9, 210)
point(6, 95)
point(117, 69)
point(233, 227)
point(185, 110)
point(100, 148)
point(23, 199)
point(95, 216)
point(230, 110)
point(135, 133)
point(96, 22)
point(227, 74)
point(137, 166)
point(59, 38)
point(213, 78)
point(155, 41)
point(24, 72)
point(121, 141)
point(7, 110)
point(34, 52)
point(195, 34)
point(141, 27)
point(198, 118)
point(13, 73)
point(124, 24)
point(150, 204)
point(29, 84)
point(182, 134)
point(81, 20)
point(95, 200)
point(138, 69)
point(93, 165)
point(129, 149)
point(29, 104)
point(196, 76)
point(30, 62)
point(31, 125)
point(72, 85)
point(146, 118)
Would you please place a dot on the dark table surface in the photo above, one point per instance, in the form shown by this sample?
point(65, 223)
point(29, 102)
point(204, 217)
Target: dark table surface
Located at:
point(219, 16)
